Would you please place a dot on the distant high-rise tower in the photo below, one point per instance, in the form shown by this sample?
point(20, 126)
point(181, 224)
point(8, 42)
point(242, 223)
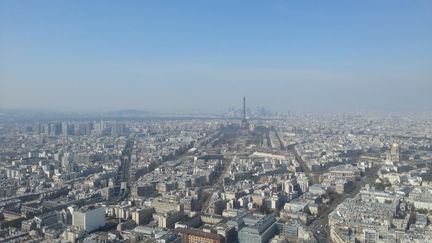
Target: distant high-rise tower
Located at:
point(244, 122)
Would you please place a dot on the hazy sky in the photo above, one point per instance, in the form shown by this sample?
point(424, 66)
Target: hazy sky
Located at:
point(205, 55)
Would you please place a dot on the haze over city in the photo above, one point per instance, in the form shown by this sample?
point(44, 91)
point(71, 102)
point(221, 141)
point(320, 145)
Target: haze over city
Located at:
point(202, 56)
point(216, 121)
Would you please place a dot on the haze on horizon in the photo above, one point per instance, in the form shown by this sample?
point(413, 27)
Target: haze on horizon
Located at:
point(206, 55)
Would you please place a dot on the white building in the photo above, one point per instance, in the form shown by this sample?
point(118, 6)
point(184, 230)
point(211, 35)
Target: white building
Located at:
point(89, 218)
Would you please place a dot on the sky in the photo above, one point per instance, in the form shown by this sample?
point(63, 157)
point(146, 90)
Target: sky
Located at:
point(204, 56)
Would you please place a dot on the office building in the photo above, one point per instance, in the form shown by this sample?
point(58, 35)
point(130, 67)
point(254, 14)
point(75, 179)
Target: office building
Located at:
point(89, 218)
point(257, 229)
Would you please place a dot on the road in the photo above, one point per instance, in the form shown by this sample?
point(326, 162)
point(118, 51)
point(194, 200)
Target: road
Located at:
point(219, 184)
point(281, 144)
point(303, 165)
point(319, 223)
point(125, 161)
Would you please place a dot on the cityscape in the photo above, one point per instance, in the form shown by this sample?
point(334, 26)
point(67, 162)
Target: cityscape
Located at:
point(216, 121)
point(299, 178)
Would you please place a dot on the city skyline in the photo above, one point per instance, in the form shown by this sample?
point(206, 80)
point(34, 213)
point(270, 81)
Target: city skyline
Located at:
point(216, 121)
point(201, 56)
